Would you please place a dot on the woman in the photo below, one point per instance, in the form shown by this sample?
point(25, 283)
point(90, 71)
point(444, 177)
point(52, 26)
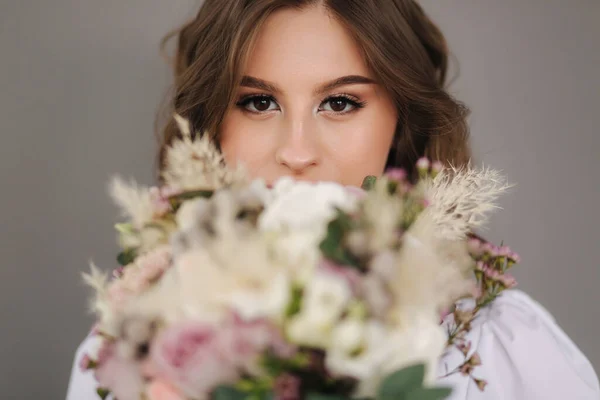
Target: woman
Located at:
point(337, 90)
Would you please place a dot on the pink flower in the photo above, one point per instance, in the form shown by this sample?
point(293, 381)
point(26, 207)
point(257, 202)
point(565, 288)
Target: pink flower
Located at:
point(85, 363)
point(480, 266)
point(464, 347)
point(475, 247)
point(508, 281)
point(120, 375)
point(118, 272)
point(488, 249)
point(437, 167)
point(504, 251)
point(491, 273)
point(423, 164)
point(287, 387)
point(160, 199)
point(196, 357)
point(138, 277)
point(396, 174)
point(190, 356)
point(514, 257)
point(161, 390)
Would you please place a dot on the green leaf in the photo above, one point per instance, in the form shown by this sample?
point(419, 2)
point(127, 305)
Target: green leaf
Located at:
point(428, 394)
point(295, 304)
point(319, 396)
point(103, 393)
point(126, 257)
point(193, 194)
point(402, 382)
point(369, 182)
point(228, 393)
point(125, 228)
point(332, 246)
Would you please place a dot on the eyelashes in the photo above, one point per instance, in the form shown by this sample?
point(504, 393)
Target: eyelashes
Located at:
point(339, 104)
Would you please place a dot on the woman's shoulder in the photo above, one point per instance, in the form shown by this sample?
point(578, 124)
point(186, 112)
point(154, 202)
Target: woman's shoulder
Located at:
point(82, 384)
point(525, 355)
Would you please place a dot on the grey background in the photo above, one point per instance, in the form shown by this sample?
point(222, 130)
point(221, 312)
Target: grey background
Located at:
point(80, 82)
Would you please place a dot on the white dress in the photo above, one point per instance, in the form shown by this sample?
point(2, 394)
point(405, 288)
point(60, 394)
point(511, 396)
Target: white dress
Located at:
point(525, 355)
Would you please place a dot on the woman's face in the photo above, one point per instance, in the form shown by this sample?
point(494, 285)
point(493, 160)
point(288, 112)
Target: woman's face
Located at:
point(308, 106)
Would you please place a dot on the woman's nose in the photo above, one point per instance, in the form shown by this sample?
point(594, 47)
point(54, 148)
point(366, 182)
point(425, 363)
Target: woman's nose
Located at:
point(298, 150)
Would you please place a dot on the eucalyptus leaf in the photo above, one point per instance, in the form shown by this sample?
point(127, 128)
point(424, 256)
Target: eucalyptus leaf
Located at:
point(228, 393)
point(428, 394)
point(333, 247)
point(369, 182)
point(319, 396)
point(126, 257)
point(402, 382)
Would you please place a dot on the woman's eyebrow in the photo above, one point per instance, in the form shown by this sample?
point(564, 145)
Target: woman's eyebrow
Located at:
point(256, 83)
point(261, 84)
point(343, 81)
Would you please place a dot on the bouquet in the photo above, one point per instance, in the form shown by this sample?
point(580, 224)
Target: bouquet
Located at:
point(232, 289)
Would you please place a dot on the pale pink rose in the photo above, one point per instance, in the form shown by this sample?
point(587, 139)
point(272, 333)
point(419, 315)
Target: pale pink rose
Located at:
point(137, 277)
point(196, 357)
point(244, 341)
point(120, 375)
point(154, 263)
point(118, 295)
point(161, 390)
point(190, 356)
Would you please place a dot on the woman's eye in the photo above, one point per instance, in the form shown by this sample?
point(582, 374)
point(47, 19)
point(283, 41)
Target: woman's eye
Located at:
point(340, 105)
point(258, 104)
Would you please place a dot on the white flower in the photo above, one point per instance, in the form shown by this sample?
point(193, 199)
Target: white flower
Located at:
point(348, 336)
point(386, 351)
point(325, 299)
point(296, 218)
point(304, 205)
point(270, 303)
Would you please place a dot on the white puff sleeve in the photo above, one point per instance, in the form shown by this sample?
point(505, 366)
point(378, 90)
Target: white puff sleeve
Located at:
point(525, 355)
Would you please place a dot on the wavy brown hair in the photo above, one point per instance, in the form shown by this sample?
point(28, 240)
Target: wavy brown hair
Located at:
point(404, 49)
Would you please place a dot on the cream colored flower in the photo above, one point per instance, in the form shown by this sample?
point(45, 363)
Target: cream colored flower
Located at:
point(348, 336)
point(325, 299)
point(295, 221)
point(386, 350)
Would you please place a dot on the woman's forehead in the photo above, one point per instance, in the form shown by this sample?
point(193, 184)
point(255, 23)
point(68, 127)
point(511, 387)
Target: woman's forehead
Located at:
point(307, 46)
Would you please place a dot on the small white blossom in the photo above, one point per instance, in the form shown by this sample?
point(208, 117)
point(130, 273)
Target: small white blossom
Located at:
point(388, 350)
point(325, 299)
point(348, 336)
